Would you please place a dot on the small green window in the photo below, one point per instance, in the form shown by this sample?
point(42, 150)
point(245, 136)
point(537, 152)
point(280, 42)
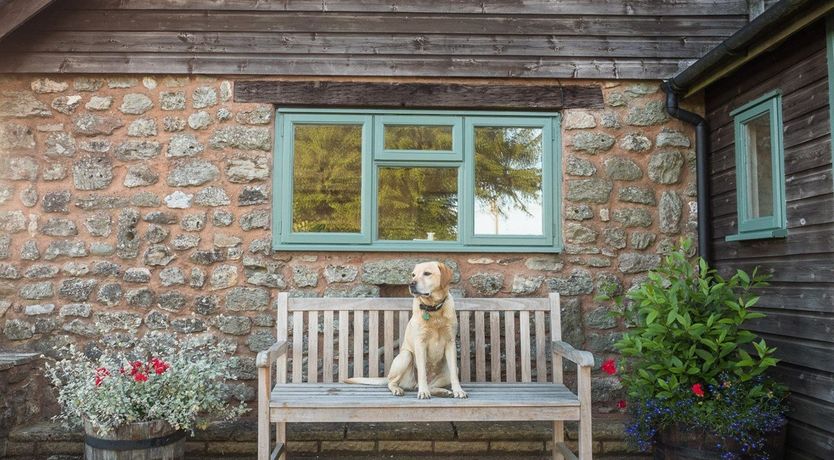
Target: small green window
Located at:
point(760, 171)
point(390, 180)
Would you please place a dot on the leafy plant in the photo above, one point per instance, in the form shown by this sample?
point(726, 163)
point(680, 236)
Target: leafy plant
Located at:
point(152, 379)
point(689, 359)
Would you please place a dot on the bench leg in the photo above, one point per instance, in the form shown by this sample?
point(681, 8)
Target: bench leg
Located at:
point(281, 437)
point(263, 413)
point(584, 391)
point(558, 436)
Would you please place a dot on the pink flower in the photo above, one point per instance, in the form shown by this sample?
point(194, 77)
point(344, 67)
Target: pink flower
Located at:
point(101, 373)
point(159, 366)
point(698, 390)
point(140, 377)
point(609, 367)
point(621, 404)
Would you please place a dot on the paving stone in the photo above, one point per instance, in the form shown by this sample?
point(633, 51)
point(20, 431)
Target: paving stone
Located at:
point(576, 166)
point(142, 127)
point(212, 196)
point(241, 137)
point(66, 104)
point(246, 299)
point(60, 144)
point(140, 175)
point(99, 103)
point(199, 120)
point(340, 273)
point(127, 236)
point(652, 113)
point(158, 255)
point(141, 297)
point(619, 168)
point(592, 142)
point(77, 289)
point(637, 263)
point(203, 96)
point(92, 172)
point(22, 104)
point(589, 190)
point(138, 150)
point(18, 168)
point(135, 104)
point(579, 282)
point(191, 173)
point(88, 124)
point(178, 200)
point(184, 145)
point(57, 226)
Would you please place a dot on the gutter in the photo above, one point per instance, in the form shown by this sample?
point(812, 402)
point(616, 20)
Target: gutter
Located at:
point(701, 165)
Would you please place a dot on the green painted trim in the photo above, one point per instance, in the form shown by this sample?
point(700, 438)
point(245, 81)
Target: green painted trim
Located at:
point(751, 104)
point(373, 157)
point(381, 153)
point(763, 234)
point(771, 104)
point(829, 54)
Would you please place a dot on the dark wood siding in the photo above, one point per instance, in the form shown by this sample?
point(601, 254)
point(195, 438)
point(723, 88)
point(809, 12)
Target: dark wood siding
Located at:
point(800, 300)
point(451, 38)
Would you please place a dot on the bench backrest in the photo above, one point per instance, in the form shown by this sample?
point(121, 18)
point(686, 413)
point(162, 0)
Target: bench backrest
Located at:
point(499, 339)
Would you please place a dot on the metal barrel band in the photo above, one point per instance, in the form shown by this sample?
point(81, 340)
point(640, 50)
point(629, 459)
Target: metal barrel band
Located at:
point(122, 445)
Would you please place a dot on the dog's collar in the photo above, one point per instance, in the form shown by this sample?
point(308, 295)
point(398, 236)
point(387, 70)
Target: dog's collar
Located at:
point(434, 307)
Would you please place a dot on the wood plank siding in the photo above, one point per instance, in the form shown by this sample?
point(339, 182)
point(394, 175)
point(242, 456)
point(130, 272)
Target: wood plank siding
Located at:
point(800, 299)
point(418, 38)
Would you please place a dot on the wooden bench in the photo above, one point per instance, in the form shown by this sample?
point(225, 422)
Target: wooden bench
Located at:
point(503, 363)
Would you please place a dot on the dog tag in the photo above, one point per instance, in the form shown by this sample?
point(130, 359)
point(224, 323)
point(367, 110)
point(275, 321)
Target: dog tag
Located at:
point(426, 315)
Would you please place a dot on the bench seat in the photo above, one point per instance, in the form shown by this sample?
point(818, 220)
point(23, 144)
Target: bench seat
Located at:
point(338, 402)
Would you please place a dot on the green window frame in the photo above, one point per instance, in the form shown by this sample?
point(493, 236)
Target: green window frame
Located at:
point(756, 226)
point(375, 155)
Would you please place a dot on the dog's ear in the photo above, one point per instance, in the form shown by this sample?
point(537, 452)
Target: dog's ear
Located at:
point(445, 275)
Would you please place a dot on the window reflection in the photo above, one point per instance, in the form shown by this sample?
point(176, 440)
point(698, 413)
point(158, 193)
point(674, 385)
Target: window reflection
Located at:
point(759, 167)
point(414, 137)
point(418, 203)
point(508, 181)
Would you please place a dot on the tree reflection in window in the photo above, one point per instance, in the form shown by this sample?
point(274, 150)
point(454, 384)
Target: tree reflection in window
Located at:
point(418, 203)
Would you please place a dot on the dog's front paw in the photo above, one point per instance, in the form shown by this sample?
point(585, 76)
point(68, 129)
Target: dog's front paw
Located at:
point(396, 391)
point(459, 393)
point(423, 394)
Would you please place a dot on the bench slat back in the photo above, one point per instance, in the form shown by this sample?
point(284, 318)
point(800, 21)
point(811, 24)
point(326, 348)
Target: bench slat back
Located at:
point(499, 340)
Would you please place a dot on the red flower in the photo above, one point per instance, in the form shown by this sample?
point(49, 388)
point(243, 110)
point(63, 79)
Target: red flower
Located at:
point(621, 404)
point(140, 377)
point(101, 373)
point(135, 367)
point(159, 366)
point(609, 367)
point(698, 390)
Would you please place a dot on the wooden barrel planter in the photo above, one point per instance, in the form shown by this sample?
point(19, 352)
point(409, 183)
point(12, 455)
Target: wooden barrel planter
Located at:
point(155, 440)
point(682, 442)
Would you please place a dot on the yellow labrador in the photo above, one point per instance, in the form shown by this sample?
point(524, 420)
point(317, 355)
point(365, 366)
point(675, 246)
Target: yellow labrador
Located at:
point(428, 355)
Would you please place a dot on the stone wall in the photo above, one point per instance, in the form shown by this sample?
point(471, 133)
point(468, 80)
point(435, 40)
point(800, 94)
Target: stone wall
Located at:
point(144, 204)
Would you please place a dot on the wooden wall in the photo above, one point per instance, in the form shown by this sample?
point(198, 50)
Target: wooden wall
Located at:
point(800, 299)
point(452, 38)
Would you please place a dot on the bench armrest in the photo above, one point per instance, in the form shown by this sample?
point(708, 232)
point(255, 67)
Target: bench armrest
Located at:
point(267, 357)
point(565, 350)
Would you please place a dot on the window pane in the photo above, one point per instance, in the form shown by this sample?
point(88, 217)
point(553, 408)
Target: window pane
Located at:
point(327, 178)
point(413, 137)
point(759, 168)
point(508, 181)
point(418, 204)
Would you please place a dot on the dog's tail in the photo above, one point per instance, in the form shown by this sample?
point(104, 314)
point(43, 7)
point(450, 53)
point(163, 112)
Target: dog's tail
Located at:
point(368, 380)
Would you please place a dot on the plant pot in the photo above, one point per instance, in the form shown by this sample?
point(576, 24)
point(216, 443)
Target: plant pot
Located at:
point(683, 442)
point(155, 440)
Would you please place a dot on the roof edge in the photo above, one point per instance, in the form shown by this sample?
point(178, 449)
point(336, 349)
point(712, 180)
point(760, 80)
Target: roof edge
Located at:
point(771, 27)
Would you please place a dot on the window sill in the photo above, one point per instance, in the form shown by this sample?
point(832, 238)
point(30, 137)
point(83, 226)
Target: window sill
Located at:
point(758, 235)
point(402, 247)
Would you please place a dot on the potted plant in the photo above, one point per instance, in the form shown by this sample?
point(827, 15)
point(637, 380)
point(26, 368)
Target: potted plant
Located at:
point(694, 376)
point(137, 399)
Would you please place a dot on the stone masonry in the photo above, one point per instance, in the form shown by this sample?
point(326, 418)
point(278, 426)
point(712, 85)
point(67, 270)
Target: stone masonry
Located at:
point(131, 204)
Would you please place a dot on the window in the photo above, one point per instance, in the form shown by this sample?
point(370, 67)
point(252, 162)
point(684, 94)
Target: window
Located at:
point(416, 181)
point(760, 176)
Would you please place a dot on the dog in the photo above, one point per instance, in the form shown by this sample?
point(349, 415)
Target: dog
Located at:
point(428, 354)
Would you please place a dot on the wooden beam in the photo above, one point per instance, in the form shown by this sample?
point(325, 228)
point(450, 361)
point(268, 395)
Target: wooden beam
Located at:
point(418, 95)
point(15, 13)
